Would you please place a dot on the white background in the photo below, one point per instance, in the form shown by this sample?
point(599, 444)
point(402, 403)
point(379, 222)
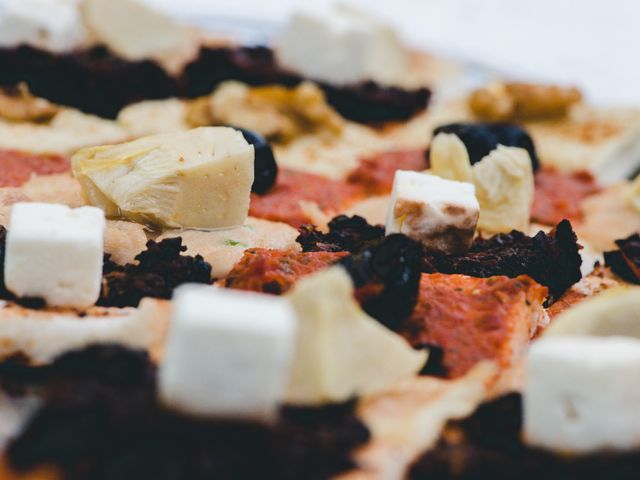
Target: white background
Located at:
point(592, 43)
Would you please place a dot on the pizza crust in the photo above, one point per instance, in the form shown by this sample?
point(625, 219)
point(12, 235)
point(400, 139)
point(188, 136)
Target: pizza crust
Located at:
point(222, 248)
point(608, 216)
point(407, 419)
point(41, 335)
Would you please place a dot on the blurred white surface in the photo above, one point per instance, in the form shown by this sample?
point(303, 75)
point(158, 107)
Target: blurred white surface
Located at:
point(590, 43)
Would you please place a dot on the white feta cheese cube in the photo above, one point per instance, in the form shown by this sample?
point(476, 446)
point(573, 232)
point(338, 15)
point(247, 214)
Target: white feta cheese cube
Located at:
point(55, 252)
point(135, 30)
point(341, 46)
point(440, 213)
point(581, 394)
point(228, 353)
point(49, 24)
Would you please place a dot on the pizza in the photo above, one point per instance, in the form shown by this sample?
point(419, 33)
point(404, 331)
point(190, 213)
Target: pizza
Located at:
point(304, 259)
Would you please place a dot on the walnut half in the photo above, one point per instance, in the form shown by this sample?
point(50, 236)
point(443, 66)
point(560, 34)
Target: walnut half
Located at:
point(17, 104)
point(522, 101)
point(276, 112)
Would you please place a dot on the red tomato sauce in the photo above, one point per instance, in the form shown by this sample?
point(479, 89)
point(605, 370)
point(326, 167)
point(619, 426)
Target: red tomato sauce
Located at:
point(276, 271)
point(17, 167)
point(559, 195)
point(282, 202)
point(473, 319)
point(376, 173)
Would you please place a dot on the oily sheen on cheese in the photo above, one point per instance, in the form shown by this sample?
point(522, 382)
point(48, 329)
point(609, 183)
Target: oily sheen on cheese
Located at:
point(199, 178)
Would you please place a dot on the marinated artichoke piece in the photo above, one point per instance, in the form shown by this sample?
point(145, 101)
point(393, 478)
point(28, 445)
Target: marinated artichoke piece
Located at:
point(200, 178)
point(613, 312)
point(480, 139)
point(341, 352)
point(276, 112)
point(504, 187)
point(17, 104)
point(449, 158)
point(503, 180)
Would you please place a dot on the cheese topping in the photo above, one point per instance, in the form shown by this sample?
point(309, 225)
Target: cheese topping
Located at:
point(200, 178)
point(228, 353)
point(53, 25)
point(579, 395)
point(55, 253)
point(341, 46)
point(136, 32)
point(341, 352)
point(442, 214)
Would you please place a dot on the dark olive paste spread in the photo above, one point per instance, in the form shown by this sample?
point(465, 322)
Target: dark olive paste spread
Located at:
point(100, 419)
point(160, 269)
point(488, 445)
point(625, 261)
point(97, 81)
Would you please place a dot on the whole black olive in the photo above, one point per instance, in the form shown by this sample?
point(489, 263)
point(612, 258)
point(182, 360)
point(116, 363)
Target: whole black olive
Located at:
point(481, 138)
point(265, 168)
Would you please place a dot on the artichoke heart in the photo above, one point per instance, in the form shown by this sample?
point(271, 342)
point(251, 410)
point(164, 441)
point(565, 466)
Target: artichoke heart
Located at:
point(504, 187)
point(613, 312)
point(503, 179)
point(199, 178)
point(341, 352)
point(450, 159)
point(278, 113)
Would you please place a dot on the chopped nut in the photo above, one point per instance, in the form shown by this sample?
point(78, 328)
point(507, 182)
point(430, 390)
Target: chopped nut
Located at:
point(17, 104)
point(522, 101)
point(198, 112)
point(276, 112)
